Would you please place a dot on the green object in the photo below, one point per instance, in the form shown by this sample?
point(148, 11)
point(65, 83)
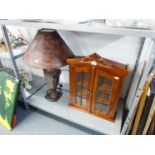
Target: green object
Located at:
point(9, 89)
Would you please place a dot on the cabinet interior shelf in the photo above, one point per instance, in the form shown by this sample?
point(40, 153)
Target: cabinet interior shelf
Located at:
point(83, 94)
point(104, 87)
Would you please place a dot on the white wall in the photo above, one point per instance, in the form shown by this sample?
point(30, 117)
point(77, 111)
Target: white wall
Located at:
point(121, 49)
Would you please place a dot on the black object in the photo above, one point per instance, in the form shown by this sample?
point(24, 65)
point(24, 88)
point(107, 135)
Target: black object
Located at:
point(151, 130)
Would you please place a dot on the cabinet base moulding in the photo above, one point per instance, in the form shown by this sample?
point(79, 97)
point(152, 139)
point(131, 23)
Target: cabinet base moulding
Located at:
point(97, 115)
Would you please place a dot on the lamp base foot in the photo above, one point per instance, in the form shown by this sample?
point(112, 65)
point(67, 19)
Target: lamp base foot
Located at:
point(53, 95)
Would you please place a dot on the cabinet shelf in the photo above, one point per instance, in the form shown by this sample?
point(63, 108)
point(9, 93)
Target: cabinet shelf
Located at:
point(102, 89)
point(82, 28)
point(83, 95)
point(105, 85)
point(84, 84)
point(101, 101)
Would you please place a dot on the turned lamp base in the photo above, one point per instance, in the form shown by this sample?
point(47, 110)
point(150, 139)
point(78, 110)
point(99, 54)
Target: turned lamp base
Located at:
point(53, 95)
point(52, 80)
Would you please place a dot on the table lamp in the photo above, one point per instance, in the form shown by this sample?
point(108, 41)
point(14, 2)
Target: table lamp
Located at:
point(49, 52)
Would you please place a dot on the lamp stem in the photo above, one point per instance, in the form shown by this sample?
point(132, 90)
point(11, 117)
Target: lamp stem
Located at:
point(52, 77)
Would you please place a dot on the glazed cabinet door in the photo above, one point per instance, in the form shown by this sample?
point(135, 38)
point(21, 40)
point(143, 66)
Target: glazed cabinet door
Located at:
point(80, 87)
point(105, 94)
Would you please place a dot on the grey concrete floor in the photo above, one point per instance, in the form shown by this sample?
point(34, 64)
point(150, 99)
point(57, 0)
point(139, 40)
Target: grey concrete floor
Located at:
point(36, 122)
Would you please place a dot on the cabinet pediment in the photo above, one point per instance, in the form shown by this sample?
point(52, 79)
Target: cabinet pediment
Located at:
point(99, 62)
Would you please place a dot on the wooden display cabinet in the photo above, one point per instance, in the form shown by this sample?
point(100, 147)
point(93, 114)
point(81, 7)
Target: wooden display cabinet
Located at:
point(95, 85)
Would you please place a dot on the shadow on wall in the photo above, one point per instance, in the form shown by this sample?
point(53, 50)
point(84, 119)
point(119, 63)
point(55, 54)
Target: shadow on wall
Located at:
point(86, 43)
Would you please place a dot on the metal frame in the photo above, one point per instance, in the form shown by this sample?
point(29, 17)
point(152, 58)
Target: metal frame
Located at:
point(145, 73)
point(15, 68)
point(35, 91)
point(138, 69)
point(85, 28)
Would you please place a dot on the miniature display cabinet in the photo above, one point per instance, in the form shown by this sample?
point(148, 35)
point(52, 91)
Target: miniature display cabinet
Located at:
point(95, 85)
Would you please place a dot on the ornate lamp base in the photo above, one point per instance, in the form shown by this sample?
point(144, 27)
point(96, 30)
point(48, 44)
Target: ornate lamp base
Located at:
point(52, 80)
point(53, 95)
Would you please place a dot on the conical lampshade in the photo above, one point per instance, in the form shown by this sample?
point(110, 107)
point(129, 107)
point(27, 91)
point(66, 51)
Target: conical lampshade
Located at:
point(47, 50)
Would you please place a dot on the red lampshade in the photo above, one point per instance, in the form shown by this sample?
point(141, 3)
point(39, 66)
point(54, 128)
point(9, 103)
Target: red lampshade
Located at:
point(47, 50)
